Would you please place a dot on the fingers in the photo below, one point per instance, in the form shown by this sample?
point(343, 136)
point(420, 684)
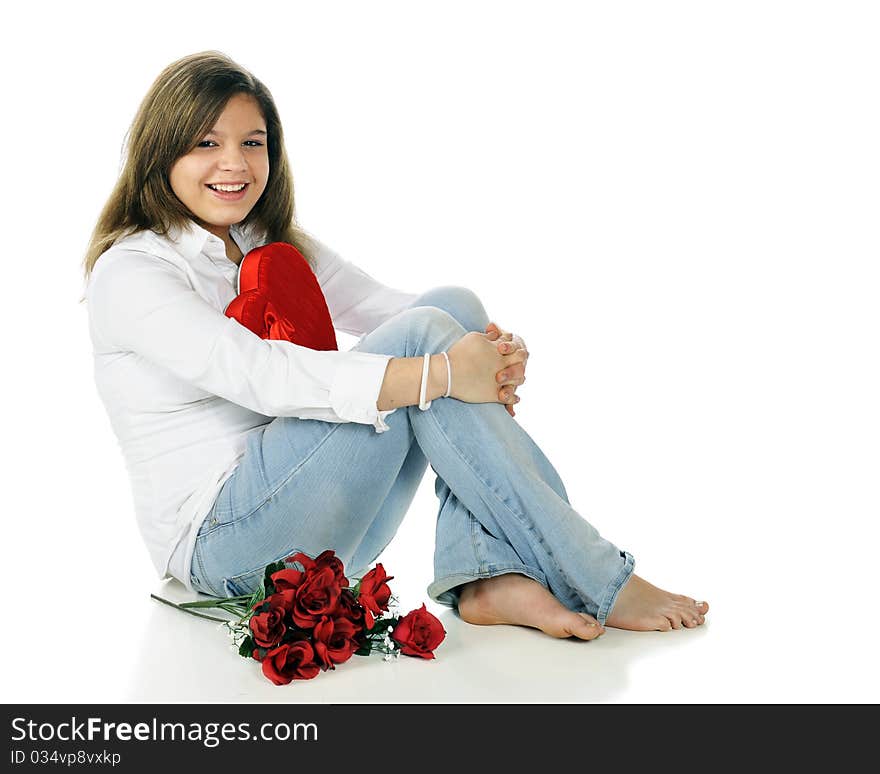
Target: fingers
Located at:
point(514, 339)
point(513, 347)
point(508, 396)
point(518, 356)
point(511, 376)
point(507, 342)
point(514, 374)
point(509, 379)
point(494, 333)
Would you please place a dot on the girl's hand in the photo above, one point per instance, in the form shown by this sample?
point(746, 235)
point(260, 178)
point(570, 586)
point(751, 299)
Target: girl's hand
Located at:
point(512, 376)
point(476, 362)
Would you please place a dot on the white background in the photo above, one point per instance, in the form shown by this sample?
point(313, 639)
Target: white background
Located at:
point(675, 204)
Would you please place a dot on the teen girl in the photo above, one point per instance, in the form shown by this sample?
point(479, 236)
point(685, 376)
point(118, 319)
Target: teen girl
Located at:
point(242, 451)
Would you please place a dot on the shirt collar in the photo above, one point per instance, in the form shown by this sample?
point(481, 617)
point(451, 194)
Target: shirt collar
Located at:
point(191, 240)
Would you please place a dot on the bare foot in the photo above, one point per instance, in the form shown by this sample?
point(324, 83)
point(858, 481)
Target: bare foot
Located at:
point(642, 607)
point(516, 599)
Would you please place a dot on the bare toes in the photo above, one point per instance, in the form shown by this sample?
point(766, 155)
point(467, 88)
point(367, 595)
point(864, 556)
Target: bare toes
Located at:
point(582, 626)
point(689, 602)
point(691, 612)
point(642, 606)
point(590, 629)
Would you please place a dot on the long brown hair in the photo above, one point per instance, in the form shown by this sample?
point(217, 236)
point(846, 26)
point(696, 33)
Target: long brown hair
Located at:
point(181, 106)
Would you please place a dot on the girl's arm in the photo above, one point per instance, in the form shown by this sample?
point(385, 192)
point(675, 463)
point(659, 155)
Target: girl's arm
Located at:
point(358, 303)
point(142, 305)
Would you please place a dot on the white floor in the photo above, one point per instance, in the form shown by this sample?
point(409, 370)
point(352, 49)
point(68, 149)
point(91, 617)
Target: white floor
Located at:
point(777, 632)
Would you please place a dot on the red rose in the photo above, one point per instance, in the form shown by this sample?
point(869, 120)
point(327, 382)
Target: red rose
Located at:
point(291, 661)
point(325, 559)
point(268, 626)
point(329, 559)
point(374, 593)
point(287, 578)
point(316, 596)
point(418, 633)
point(278, 599)
point(334, 641)
point(300, 558)
point(348, 607)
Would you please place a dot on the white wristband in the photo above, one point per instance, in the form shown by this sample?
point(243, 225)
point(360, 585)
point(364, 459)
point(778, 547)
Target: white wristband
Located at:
point(422, 405)
point(448, 376)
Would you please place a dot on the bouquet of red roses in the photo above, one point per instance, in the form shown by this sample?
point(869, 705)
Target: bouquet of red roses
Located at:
point(306, 618)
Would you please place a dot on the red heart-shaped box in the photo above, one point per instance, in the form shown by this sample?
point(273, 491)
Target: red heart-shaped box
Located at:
point(279, 298)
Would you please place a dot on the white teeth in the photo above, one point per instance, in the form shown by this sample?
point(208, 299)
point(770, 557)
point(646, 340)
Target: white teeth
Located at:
point(228, 188)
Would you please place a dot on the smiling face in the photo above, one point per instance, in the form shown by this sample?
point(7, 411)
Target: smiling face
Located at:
point(232, 154)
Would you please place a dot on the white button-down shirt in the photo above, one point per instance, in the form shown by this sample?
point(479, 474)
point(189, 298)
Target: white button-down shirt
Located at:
point(184, 385)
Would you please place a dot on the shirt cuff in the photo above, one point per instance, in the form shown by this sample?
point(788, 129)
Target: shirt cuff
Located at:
point(356, 387)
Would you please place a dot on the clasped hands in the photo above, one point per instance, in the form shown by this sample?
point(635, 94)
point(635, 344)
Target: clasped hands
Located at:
point(513, 375)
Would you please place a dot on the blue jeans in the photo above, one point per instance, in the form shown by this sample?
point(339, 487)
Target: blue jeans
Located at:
point(308, 485)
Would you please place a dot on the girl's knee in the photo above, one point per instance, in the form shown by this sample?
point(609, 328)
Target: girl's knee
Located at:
point(458, 301)
point(429, 329)
point(412, 332)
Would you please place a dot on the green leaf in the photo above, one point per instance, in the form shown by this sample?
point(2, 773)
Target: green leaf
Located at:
point(365, 649)
point(259, 594)
point(247, 647)
point(268, 586)
point(380, 626)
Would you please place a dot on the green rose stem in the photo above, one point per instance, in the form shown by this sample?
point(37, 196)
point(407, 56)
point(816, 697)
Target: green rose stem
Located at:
point(228, 605)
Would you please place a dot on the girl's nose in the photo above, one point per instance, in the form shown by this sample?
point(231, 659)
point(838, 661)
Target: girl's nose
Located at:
point(233, 158)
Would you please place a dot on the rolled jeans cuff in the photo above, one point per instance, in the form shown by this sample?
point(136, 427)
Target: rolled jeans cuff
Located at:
point(607, 602)
point(445, 590)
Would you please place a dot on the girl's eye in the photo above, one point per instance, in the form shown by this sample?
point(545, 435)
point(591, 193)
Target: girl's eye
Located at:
point(204, 143)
